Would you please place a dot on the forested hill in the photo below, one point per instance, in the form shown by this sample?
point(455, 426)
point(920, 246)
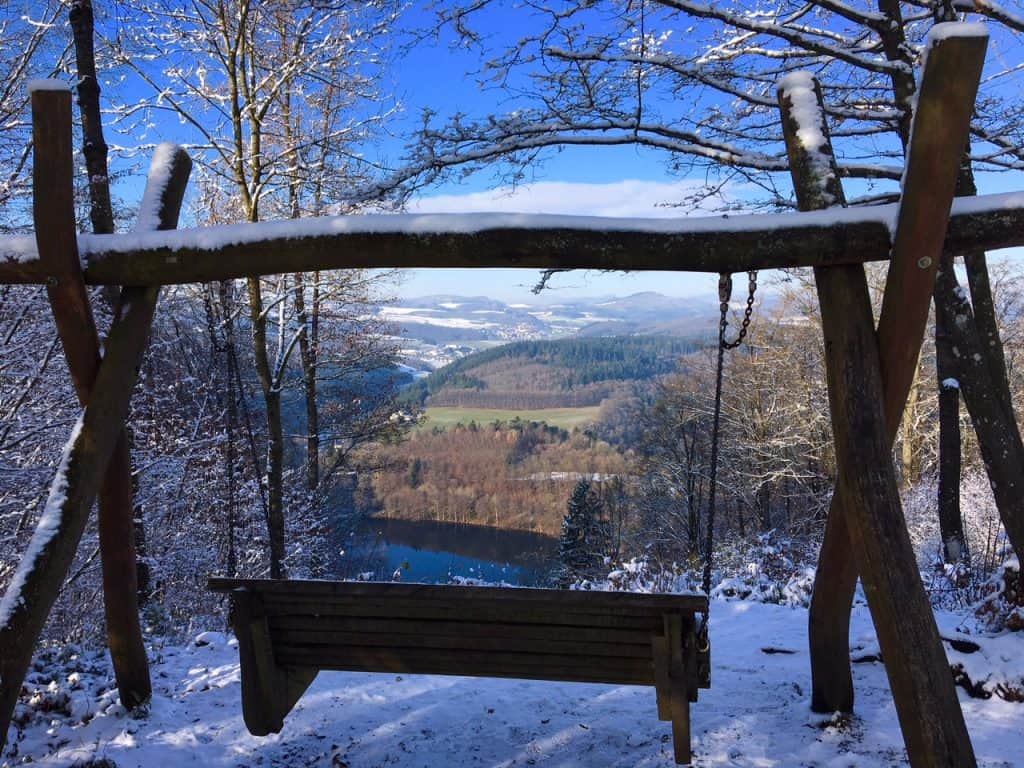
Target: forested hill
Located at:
point(551, 374)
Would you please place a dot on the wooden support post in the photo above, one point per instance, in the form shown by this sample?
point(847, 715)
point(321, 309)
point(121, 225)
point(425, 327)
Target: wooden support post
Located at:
point(269, 691)
point(260, 686)
point(817, 185)
point(679, 689)
point(39, 577)
point(56, 238)
point(53, 213)
point(947, 92)
point(661, 654)
point(915, 661)
point(43, 569)
point(926, 700)
point(54, 220)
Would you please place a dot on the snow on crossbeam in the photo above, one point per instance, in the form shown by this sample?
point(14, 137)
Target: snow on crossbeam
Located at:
point(708, 244)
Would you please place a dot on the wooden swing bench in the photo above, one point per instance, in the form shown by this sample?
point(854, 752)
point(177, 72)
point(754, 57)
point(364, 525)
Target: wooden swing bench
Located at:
point(289, 630)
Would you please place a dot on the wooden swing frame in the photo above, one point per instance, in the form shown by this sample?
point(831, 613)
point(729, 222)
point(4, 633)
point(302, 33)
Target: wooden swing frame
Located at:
point(868, 370)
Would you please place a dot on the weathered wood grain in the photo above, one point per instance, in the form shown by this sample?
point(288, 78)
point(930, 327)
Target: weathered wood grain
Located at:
point(926, 702)
point(945, 103)
point(944, 108)
point(558, 600)
point(479, 628)
point(865, 238)
point(53, 214)
point(541, 634)
point(679, 686)
point(915, 661)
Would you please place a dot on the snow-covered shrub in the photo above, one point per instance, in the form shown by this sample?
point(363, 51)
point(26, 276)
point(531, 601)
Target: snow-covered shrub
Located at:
point(960, 584)
point(1001, 606)
point(641, 575)
point(768, 569)
point(65, 686)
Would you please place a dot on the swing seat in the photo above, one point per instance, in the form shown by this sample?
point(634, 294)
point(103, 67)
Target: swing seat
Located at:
point(289, 630)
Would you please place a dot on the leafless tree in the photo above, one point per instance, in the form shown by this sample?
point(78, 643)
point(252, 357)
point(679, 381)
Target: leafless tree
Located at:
point(279, 98)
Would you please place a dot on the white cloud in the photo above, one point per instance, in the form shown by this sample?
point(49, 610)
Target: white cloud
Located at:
point(630, 198)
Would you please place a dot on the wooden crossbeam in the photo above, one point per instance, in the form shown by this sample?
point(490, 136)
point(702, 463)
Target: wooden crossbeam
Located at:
point(926, 700)
point(716, 244)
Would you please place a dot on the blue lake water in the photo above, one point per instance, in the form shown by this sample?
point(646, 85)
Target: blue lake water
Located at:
point(429, 552)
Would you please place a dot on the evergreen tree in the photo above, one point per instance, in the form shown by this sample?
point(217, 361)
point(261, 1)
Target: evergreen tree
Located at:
point(416, 473)
point(584, 536)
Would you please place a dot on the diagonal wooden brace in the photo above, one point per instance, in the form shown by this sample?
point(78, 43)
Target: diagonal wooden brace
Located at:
point(39, 577)
point(947, 92)
point(923, 690)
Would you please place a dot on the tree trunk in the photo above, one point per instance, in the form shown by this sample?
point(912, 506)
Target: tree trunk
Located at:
point(951, 525)
point(230, 456)
point(275, 432)
point(119, 547)
point(307, 328)
point(998, 437)
point(909, 446)
point(222, 360)
point(143, 572)
point(307, 356)
point(764, 505)
point(94, 147)
point(977, 361)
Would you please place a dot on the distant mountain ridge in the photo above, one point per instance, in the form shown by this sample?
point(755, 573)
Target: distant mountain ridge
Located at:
point(558, 373)
point(438, 329)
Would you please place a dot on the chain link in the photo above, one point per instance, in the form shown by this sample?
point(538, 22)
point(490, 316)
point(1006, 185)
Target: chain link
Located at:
point(724, 294)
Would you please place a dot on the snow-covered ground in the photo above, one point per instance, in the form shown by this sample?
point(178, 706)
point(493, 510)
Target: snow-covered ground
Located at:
point(756, 713)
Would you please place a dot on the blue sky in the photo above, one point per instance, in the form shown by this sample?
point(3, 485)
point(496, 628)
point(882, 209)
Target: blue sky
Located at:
point(603, 181)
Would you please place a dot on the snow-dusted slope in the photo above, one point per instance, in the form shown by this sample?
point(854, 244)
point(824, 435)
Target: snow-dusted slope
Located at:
point(756, 714)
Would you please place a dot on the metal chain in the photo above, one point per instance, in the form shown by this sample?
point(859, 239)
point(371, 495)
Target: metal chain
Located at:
point(724, 295)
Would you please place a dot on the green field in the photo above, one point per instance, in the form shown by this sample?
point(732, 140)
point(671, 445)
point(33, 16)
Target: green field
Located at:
point(566, 418)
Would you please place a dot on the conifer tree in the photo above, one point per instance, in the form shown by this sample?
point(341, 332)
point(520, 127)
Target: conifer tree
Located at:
point(584, 536)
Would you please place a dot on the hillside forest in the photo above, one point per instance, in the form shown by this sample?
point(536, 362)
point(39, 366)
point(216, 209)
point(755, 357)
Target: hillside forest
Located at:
point(645, 453)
